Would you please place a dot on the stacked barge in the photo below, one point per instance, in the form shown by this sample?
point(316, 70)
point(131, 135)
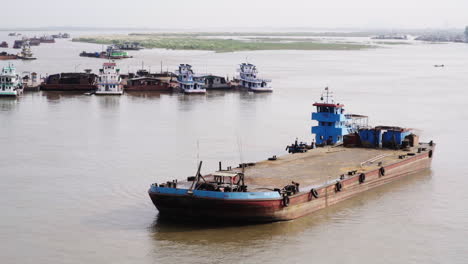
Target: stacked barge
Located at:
point(345, 164)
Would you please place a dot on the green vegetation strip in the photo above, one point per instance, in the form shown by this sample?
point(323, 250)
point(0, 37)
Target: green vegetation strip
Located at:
point(221, 44)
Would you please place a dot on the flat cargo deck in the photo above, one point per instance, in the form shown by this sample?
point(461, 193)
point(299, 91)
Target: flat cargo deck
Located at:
point(318, 166)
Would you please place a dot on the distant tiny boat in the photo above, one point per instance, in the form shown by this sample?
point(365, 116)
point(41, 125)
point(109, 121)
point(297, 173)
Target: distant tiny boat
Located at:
point(109, 81)
point(188, 82)
point(248, 79)
point(47, 39)
point(18, 44)
point(130, 46)
point(439, 65)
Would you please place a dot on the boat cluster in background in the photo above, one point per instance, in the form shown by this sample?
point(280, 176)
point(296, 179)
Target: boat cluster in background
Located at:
point(25, 44)
point(114, 52)
point(110, 81)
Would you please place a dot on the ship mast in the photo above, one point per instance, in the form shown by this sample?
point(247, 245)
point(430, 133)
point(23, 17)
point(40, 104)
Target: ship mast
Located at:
point(327, 96)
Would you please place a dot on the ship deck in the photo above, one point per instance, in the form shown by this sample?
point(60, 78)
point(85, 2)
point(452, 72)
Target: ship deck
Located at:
point(317, 166)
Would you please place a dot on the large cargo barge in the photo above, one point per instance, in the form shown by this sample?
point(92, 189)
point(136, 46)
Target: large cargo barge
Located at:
point(350, 158)
point(71, 81)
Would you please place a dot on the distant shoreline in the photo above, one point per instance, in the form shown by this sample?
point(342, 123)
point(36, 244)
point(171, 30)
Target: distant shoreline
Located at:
point(221, 41)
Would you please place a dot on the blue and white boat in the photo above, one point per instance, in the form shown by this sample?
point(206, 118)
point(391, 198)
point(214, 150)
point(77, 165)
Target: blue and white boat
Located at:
point(188, 82)
point(10, 82)
point(248, 79)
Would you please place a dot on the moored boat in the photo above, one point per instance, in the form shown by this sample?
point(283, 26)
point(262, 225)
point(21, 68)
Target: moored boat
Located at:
point(145, 81)
point(188, 82)
point(248, 79)
point(31, 82)
point(111, 53)
point(109, 81)
point(213, 82)
point(114, 53)
point(71, 81)
point(10, 82)
point(287, 187)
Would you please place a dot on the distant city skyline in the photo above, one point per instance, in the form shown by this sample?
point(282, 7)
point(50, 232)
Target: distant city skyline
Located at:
point(212, 14)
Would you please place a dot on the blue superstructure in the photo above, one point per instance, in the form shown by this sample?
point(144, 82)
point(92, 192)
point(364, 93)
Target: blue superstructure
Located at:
point(394, 137)
point(333, 124)
point(370, 137)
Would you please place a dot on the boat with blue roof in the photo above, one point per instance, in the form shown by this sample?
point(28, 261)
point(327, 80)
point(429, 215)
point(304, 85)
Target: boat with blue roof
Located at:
point(347, 157)
point(188, 82)
point(248, 79)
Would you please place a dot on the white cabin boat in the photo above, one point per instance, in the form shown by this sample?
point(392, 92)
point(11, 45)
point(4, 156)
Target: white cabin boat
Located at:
point(109, 81)
point(26, 53)
point(10, 82)
point(188, 82)
point(248, 79)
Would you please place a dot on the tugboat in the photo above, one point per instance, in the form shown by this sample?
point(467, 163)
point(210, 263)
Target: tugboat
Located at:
point(26, 53)
point(248, 79)
point(10, 82)
point(109, 81)
point(354, 158)
point(188, 82)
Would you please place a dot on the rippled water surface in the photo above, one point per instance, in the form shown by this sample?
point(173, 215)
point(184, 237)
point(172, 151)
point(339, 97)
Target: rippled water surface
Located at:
point(75, 169)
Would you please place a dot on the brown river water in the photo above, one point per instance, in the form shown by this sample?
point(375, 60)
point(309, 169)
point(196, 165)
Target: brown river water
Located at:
point(75, 169)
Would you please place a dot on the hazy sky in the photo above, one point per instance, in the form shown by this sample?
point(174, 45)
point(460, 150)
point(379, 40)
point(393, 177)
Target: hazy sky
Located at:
point(234, 14)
